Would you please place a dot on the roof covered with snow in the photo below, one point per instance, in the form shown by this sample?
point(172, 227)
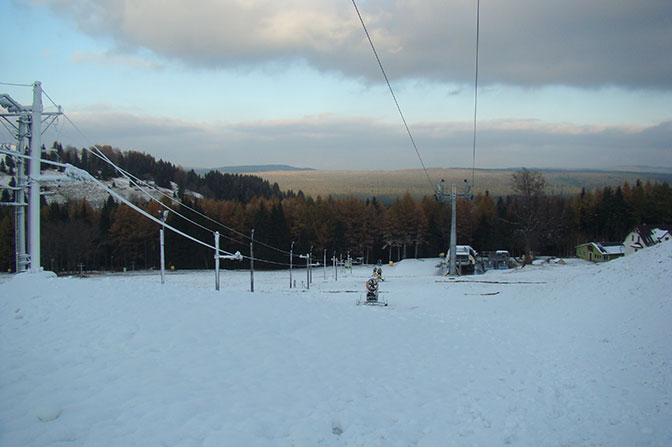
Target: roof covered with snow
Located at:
point(652, 234)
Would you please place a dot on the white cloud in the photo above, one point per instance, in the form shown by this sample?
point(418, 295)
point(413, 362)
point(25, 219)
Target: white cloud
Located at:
point(109, 59)
point(626, 43)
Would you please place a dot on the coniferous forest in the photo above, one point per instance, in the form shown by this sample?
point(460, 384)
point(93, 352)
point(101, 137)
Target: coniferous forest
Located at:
point(75, 235)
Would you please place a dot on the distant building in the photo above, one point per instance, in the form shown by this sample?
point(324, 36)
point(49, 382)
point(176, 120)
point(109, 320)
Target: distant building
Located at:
point(643, 236)
point(600, 251)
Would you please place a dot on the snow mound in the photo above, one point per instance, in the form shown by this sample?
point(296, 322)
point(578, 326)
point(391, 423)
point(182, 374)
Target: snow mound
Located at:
point(32, 277)
point(412, 267)
point(651, 264)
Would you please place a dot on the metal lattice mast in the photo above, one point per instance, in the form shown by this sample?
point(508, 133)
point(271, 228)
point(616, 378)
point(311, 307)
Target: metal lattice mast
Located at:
point(20, 212)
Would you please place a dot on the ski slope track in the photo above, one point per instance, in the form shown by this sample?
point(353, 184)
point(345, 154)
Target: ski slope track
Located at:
point(554, 354)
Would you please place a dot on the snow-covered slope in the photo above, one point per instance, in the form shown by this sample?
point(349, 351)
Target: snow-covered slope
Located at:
point(553, 354)
point(60, 189)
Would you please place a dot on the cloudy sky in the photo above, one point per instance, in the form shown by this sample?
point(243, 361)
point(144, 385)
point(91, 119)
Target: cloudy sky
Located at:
point(207, 83)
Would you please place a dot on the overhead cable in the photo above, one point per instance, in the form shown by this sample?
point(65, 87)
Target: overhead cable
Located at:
point(138, 183)
point(15, 84)
point(478, 25)
point(380, 64)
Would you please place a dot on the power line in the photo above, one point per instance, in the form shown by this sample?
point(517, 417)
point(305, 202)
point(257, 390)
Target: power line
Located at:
point(478, 25)
point(392, 92)
point(138, 182)
point(15, 84)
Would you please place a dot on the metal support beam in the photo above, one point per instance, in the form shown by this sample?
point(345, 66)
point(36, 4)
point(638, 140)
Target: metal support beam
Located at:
point(34, 172)
point(291, 263)
point(441, 195)
point(310, 265)
point(29, 125)
point(20, 212)
point(164, 215)
point(307, 258)
point(252, 261)
point(217, 260)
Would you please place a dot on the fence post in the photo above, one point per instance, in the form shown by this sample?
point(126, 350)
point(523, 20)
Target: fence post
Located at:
point(216, 260)
point(291, 257)
point(164, 216)
point(252, 261)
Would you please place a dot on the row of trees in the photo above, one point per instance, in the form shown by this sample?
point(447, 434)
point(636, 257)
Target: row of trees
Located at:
point(115, 236)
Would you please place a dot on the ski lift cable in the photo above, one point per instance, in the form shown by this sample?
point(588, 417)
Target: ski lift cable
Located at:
point(149, 216)
point(135, 180)
point(49, 97)
point(9, 131)
point(138, 182)
point(156, 220)
point(403, 119)
point(13, 84)
point(82, 174)
point(131, 178)
point(478, 26)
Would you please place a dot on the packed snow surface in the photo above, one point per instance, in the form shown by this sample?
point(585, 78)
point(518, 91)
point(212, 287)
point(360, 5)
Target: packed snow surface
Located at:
point(554, 354)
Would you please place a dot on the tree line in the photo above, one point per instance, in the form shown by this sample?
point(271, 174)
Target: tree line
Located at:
point(76, 235)
point(214, 184)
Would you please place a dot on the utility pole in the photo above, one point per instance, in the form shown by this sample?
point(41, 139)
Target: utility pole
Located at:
point(307, 258)
point(291, 259)
point(252, 261)
point(164, 215)
point(310, 265)
point(441, 195)
point(217, 260)
point(34, 173)
point(236, 257)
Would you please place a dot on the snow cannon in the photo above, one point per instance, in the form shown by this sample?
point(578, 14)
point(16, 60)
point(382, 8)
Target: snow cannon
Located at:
point(372, 290)
point(372, 293)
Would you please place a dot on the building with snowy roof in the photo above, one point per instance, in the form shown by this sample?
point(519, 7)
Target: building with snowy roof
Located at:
point(643, 236)
point(600, 251)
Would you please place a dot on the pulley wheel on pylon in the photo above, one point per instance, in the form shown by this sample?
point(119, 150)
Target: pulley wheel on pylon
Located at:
point(372, 285)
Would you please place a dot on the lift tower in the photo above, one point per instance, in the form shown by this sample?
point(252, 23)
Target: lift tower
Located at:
point(29, 125)
point(441, 195)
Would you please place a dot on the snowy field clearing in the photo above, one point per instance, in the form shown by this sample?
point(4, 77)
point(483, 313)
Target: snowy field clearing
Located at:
point(573, 354)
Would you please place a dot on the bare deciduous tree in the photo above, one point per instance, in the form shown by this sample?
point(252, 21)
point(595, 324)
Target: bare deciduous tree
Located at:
point(529, 188)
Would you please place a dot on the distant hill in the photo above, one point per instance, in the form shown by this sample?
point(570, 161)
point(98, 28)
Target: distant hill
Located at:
point(247, 169)
point(641, 168)
point(387, 185)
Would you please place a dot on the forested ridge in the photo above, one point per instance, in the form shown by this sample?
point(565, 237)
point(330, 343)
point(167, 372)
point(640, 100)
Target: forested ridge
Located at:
point(213, 185)
point(114, 236)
